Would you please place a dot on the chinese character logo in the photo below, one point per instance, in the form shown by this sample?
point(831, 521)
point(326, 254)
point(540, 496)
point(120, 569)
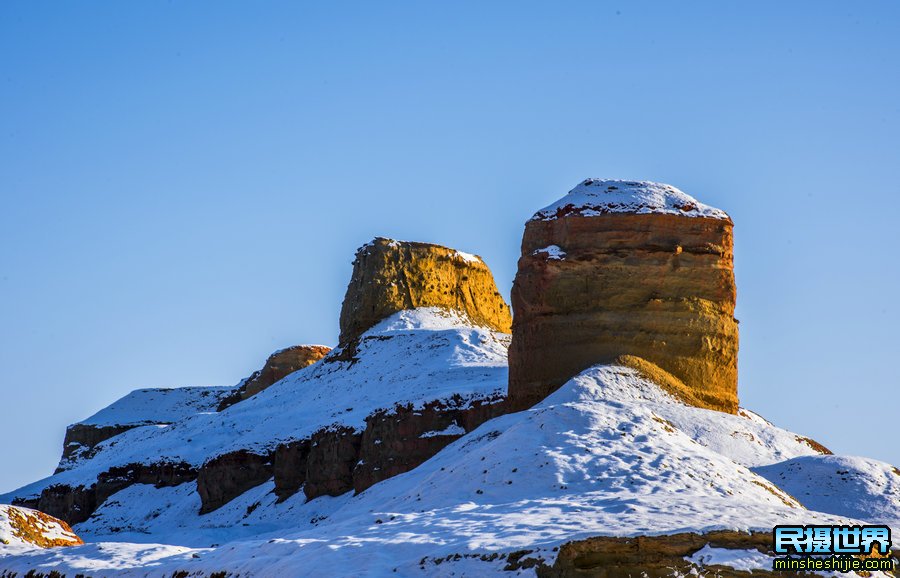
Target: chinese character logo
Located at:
point(831, 539)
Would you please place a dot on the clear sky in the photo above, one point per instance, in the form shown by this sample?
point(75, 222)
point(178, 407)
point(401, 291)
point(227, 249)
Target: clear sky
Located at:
point(183, 184)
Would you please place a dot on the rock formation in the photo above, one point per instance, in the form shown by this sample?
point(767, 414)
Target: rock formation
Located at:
point(227, 476)
point(142, 407)
point(395, 441)
point(278, 366)
point(75, 504)
point(34, 528)
point(623, 268)
point(653, 556)
point(390, 276)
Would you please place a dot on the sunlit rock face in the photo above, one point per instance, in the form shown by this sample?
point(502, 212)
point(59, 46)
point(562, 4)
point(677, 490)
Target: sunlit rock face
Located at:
point(625, 268)
point(24, 526)
point(391, 276)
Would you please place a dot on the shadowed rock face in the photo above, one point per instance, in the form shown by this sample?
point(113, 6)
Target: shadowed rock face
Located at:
point(76, 504)
point(85, 437)
point(337, 460)
point(227, 476)
point(390, 276)
point(596, 284)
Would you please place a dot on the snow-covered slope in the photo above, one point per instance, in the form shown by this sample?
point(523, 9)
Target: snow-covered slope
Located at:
point(594, 197)
point(412, 357)
point(142, 407)
point(609, 454)
point(850, 486)
point(159, 406)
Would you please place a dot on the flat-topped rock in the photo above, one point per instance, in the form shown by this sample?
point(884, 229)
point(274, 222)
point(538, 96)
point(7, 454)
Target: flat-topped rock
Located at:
point(391, 276)
point(625, 268)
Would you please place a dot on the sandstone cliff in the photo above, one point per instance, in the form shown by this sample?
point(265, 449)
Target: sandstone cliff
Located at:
point(625, 268)
point(391, 276)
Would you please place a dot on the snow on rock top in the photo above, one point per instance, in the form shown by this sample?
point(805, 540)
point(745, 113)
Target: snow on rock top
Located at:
point(159, 406)
point(594, 197)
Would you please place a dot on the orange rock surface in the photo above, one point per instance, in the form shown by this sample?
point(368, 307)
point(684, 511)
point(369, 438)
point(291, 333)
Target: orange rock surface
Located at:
point(655, 285)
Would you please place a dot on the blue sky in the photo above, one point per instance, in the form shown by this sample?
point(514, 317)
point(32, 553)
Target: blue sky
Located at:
point(183, 184)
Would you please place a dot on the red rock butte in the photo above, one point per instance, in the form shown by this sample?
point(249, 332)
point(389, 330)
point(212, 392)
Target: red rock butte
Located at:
point(626, 268)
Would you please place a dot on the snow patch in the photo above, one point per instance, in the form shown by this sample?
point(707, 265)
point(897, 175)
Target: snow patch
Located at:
point(553, 252)
point(468, 257)
point(746, 560)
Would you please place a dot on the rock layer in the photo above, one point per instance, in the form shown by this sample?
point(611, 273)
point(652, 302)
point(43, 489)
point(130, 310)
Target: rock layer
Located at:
point(75, 504)
point(227, 476)
point(391, 276)
point(337, 460)
point(653, 556)
point(646, 274)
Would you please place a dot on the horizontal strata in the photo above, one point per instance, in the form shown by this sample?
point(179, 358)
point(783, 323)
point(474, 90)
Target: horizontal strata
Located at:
point(656, 285)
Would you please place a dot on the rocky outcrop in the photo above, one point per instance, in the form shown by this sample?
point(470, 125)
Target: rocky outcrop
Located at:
point(227, 476)
point(625, 268)
point(333, 453)
point(340, 459)
point(396, 441)
point(34, 528)
point(142, 407)
point(390, 276)
point(278, 366)
point(652, 556)
point(76, 504)
point(81, 439)
point(289, 466)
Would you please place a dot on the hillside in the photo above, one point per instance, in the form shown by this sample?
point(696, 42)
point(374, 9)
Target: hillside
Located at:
point(532, 481)
point(603, 437)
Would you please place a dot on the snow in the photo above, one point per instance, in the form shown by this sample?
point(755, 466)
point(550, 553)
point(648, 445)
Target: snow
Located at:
point(608, 454)
point(553, 252)
point(604, 455)
point(594, 197)
point(159, 406)
point(413, 357)
point(848, 486)
point(745, 560)
point(469, 257)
